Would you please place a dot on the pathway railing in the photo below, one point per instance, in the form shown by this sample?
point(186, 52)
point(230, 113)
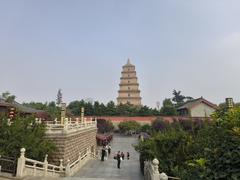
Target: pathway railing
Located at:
point(30, 167)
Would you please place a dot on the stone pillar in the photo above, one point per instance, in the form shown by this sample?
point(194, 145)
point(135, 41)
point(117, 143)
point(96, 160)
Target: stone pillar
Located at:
point(61, 165)
point(45, 165)
point(21, 163)
point(82, 115)
point(63, 112)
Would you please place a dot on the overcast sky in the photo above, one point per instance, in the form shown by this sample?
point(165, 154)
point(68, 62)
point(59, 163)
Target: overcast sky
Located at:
point(81, 45)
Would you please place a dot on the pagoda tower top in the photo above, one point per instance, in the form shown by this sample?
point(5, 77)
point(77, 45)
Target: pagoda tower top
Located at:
point(128, 61)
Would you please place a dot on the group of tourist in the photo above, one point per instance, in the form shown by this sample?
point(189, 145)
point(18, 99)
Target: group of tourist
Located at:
point(120, 156)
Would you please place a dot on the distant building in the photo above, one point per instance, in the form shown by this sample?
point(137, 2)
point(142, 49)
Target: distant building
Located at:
point(21, 110)
point(129, 88)
point(197, 108)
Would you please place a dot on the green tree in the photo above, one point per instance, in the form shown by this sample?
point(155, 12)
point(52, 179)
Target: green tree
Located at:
point(24, 132)
point(129, 126)
point(111, 108)
point(8, 97)
point(168, 109)
point(146, 128)
point(180, 99)
point(51, 108)
point(59, 97)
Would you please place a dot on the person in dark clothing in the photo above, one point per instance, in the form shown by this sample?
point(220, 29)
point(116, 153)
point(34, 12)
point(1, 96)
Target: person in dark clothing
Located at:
point(109, 149)
point(122, 155)
point(118, 159)
point(128, 155)
point(103, 154)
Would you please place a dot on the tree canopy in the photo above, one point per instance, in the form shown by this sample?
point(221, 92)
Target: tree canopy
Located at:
point(168, 108)
point(197, 150)
point(129, 126)
point(8, 97)
point(179, 99)
point(24, 132)
point(110, 109)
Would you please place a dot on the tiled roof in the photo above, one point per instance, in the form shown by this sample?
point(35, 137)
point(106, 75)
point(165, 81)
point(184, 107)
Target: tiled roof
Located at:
point(190, 104)
point(20, 107)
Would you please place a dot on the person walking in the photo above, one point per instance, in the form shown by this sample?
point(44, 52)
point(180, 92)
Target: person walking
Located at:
point(122, 155)
point(106, 153)
point(128, 155)
point(103, 154)
point(109, 149)
point(119, 160)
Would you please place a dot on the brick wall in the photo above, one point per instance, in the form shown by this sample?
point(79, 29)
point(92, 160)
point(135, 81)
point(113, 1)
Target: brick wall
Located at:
point(70, 144)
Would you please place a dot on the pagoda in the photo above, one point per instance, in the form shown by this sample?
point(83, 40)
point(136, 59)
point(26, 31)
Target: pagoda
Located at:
point(129, 88)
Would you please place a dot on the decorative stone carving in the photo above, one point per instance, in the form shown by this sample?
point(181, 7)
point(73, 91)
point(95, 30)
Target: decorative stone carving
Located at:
point(163, 176)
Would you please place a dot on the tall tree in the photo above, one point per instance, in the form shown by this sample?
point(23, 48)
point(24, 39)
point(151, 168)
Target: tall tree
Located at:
point(168, 108)
point(180, 99)
point(59, 97)
point(8, 97)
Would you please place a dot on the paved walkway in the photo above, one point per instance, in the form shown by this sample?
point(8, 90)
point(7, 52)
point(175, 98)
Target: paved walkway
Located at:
point(107, 170)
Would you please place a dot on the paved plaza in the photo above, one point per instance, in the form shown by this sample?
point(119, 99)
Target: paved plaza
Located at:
point(107, 170)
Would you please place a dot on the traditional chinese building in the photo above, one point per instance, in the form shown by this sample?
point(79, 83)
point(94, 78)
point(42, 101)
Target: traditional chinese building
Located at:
point(129, 88)
point(197, 108)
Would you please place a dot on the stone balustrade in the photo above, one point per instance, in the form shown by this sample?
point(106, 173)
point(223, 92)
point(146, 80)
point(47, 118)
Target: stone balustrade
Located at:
point(33, 168)
point(69, 125)
point(151, 171)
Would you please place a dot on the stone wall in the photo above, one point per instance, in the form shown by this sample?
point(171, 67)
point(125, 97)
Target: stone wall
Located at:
point(70, 144)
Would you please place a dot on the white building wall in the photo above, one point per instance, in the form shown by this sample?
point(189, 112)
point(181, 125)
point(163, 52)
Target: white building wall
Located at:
point(201, 110)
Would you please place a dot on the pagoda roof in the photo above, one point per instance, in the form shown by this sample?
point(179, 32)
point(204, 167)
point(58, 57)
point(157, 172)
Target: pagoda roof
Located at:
point(128, 63)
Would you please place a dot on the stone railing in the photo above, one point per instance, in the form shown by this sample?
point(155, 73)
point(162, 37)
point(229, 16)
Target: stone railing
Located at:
point(33, 168)
point(69, 125)
point(151, 171)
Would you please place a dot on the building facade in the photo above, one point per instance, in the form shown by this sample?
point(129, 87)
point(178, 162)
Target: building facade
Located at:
point(129, 88)
point(197, 108)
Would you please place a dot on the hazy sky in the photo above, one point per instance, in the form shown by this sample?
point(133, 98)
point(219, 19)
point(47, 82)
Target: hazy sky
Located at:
point(81, 45)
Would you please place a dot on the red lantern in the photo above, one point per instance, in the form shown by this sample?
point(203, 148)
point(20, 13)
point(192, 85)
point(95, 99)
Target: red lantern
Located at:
point(11, 113)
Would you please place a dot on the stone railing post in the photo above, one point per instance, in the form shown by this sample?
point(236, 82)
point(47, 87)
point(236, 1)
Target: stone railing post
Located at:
point(82, 114)
point(45, 165)
point(34, 169)
point(61, 165)
point(156, 174)
point(68, 169)
point(21, 163)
